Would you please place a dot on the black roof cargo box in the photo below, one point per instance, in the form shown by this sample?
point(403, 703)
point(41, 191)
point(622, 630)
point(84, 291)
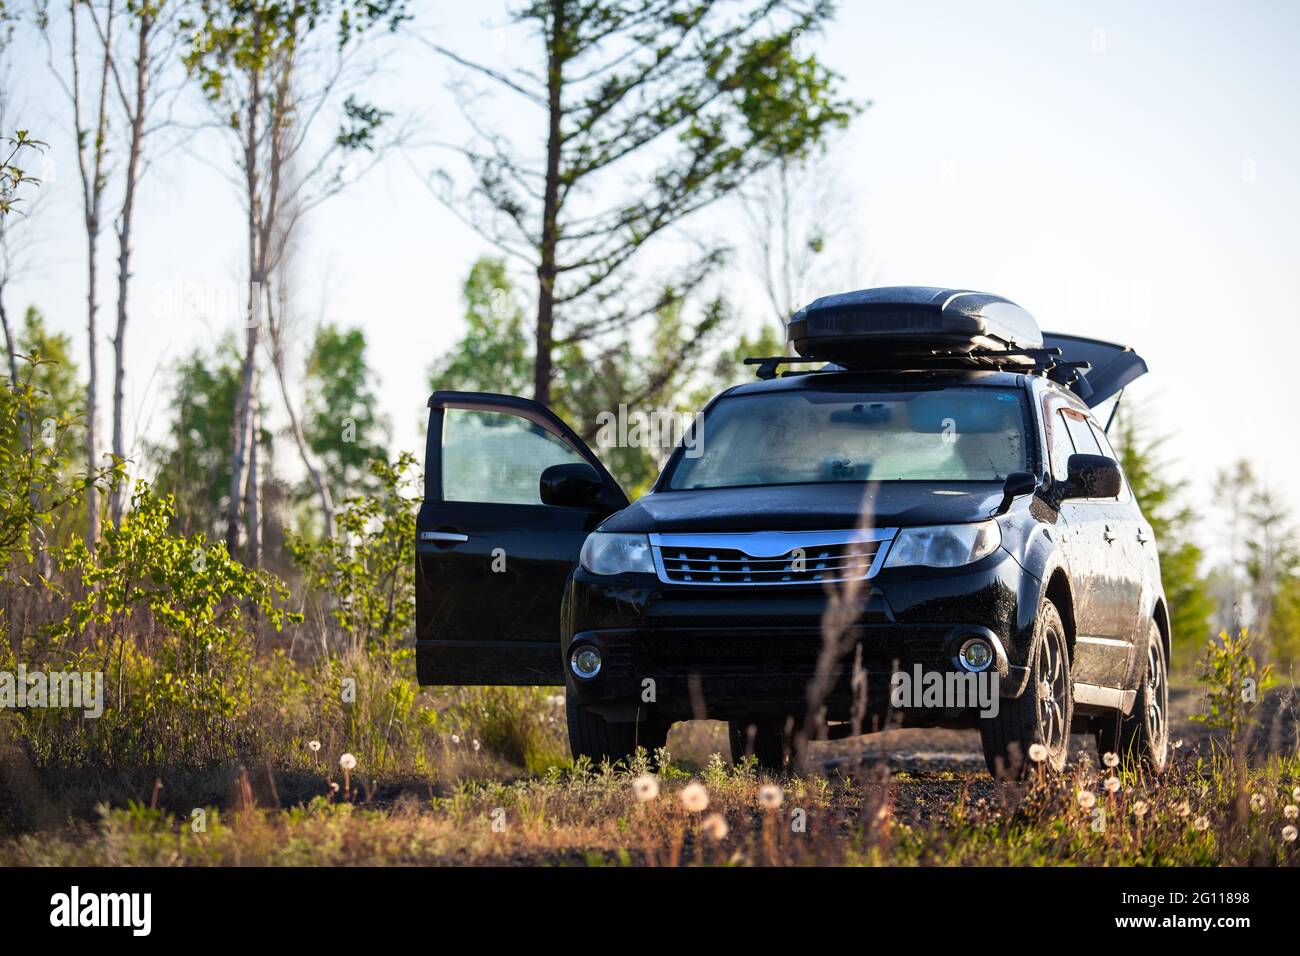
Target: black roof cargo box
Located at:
point(874, 327)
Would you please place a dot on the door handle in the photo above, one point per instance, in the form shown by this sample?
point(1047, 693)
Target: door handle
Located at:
point(443, 537)
point(1109, 535)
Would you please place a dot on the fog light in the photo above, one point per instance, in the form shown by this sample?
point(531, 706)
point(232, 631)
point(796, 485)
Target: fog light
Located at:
point(585, 662)
point(976, 654)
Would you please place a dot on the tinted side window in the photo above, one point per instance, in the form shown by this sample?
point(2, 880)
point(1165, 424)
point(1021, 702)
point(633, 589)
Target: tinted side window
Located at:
point(496, 458)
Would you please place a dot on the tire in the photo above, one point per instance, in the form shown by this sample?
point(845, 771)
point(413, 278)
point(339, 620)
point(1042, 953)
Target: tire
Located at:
point(768, 744)
point(592, 736)
point(1041, 714)
point(1144, 734)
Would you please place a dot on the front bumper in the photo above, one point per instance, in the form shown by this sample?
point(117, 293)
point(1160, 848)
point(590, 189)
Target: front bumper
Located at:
point(754, 652)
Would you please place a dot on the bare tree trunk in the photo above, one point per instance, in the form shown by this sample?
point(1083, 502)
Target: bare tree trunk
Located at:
point(92, 181)
point(11, 343)
point(314, 470)
point(253, 319)
point(124, 250)
point(543, 370)
point(254, 498)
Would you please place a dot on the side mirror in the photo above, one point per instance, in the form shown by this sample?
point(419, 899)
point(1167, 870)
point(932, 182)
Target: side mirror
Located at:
point(1092, 476)
point(572, 485)
point(1018, 483)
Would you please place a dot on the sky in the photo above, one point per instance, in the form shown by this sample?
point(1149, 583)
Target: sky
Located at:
point(1128, 171)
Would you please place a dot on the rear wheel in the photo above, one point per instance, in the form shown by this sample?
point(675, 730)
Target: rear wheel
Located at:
point(1041, 715)
point(765, 740)
point(1144, 733)
point(592, 736)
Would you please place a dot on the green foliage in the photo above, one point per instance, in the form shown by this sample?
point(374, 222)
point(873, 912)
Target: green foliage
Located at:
point(193, 591)
point(1264, 556)
point(493, 354)
point(172, 623)
point(368, 569)
point(194, 460)
point(36, 446)
point(341, 420)
point(1190, 603)
point(12, 176)
point(517, 724)
point(1234, 683)
point(55, 378)
point(1284, 627)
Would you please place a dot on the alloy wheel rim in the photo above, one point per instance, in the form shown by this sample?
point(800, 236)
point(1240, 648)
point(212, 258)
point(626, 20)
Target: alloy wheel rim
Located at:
point(1051, 694)
point(1157, 696)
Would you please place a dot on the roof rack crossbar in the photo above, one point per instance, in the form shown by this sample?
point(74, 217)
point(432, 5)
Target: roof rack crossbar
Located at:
point(768, 366)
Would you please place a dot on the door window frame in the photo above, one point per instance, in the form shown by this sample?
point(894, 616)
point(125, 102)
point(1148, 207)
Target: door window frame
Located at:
point(524, 408)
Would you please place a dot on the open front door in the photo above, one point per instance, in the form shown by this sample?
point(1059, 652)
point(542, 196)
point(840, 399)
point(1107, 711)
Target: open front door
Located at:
point(491, 559)
point(1113, 366)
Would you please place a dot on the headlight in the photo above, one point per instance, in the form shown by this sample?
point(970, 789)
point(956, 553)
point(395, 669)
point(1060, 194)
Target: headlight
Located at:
point(944, 545)
point(605, 553)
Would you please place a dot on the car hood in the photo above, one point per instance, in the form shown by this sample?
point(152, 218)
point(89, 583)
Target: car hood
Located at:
point(808, 507)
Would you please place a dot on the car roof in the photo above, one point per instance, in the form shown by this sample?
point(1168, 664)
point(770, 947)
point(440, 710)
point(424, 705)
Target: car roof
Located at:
point(869, 379)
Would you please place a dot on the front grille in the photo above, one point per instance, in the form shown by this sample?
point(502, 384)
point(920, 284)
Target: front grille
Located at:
point(769, 557)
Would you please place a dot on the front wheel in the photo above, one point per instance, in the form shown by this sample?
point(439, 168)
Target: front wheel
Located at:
point(1143, 734)
point(592, 736)
point(1035, 726)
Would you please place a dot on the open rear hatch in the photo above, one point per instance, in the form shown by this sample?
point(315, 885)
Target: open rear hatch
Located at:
point(1110, 368)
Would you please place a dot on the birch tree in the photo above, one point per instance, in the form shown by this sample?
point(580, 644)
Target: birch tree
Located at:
point(252, 59)
point(91, 26)
point(149, 35)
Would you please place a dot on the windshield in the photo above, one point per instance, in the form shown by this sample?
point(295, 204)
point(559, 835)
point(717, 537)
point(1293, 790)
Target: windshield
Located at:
point(796, 437)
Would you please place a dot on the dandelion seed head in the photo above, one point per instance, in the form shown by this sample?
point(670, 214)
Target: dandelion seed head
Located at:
point(1037, 753)
point(695, 797)
point(1289, 833)
point(1140, 808)
point(1201, 823)
point(715, 827)
point(1111, 784)
point(1086, 799)
point(313, 745)
point(1290, 811)
point(770, 796)
point(1258, 802)
point(347, 762)
point(646, 787)
point(1110, 759)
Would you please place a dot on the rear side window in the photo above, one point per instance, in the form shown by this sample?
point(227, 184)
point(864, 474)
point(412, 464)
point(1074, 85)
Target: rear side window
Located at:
point(1085, 443)
point(1061, 446)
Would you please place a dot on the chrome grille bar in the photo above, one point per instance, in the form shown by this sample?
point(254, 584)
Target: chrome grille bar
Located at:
point(768, 558)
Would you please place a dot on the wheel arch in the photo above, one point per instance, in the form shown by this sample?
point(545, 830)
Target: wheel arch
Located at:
point(1161, 614)
point(1060, 593)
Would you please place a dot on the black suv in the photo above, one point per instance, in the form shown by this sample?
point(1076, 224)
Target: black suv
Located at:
point(937, 499)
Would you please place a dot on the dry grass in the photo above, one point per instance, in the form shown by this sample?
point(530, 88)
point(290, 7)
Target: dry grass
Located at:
point(1202, 812)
